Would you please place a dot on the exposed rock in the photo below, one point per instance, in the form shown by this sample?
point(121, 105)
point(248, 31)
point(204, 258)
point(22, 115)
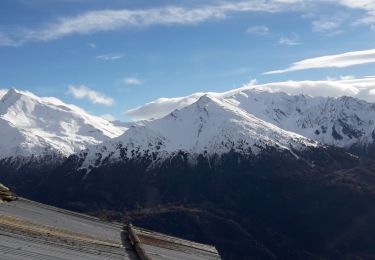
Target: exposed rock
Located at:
point(3, 188)
point(6, 195)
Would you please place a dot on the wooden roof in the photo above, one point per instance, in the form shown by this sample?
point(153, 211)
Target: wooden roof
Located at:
point(30, 230)
point(153, 245)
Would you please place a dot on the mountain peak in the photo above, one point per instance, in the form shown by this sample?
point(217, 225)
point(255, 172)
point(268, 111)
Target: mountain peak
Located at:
point(12, 91)
point(206, 98)
point(209, 102)
point(10, 94)
point(32, 125)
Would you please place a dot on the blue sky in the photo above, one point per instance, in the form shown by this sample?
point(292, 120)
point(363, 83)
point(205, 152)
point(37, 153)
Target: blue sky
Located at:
point(110, 56)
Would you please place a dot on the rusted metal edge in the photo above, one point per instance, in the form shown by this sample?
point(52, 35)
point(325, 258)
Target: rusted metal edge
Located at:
point(136, 243)
point(177, 241)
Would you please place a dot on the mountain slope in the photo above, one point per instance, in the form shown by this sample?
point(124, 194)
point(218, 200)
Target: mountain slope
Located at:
point(34, 126)
point(342, 121)
point(209, 126)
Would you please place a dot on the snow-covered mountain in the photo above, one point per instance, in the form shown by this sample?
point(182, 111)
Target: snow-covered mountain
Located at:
point(36, 126)
point(341, 121)
point(247, 120)
point(3, 92)
point(208, 126)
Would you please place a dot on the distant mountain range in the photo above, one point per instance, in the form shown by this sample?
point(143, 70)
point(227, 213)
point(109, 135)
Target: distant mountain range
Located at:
point(207, 127)
point(246, 119)
point(342, 121)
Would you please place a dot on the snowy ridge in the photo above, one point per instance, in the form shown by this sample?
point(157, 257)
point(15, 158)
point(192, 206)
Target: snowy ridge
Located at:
point(208, 126)
point(339, 121)
point(342, 121)
point(244, 120)
point(35, 126)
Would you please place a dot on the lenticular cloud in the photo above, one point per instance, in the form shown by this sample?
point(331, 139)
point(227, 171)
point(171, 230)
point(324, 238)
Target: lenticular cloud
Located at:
point(363, 88)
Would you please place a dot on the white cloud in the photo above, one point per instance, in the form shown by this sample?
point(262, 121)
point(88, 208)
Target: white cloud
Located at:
point(92, 95)
point(109, 20)
point(110, 56)
point(331, 61)
point(261, 30)
point(328, 24)
point(6, 40)
point(366, 5)
point(346, 77)
point(291, 40)
point(108, 117)
point(363, 88)
point(324, 25)
point(372, 92)
point(92, 45)
point(327, 88)
point(342, 86)
point(132, 81)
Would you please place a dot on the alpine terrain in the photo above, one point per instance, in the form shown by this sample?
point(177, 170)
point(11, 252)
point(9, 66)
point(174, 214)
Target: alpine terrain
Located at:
point(342, 121)
point(257, 174)
point(35, 127)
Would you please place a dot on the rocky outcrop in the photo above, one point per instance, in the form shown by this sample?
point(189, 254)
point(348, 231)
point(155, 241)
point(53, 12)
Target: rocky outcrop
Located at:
point(6, 195)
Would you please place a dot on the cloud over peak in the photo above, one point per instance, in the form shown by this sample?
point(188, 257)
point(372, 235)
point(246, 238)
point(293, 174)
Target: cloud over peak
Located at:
point(95, 97)
point(363, 88)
